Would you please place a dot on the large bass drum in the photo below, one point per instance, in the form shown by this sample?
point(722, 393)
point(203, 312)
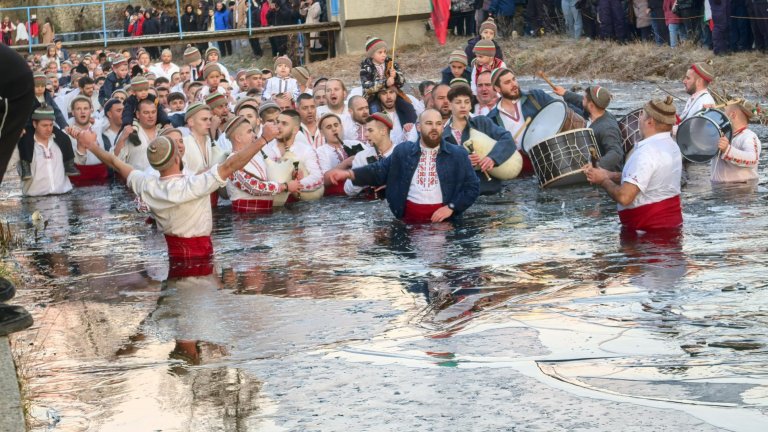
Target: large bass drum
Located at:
point(552, 118)
point(698, 136)
point(559, 159)
point(629, 126)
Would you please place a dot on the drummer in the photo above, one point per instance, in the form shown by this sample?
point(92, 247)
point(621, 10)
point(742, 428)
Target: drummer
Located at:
point(739, 156)
point(648, 189)
point(457, 132)
point(594, 102)
point(696, 82)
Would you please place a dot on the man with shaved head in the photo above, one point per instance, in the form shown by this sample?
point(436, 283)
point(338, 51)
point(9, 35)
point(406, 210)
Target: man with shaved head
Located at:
point(427, 181)
point(358, 114)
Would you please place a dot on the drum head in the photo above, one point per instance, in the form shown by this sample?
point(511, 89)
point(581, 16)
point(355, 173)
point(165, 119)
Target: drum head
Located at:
point(545, 124)
point(629, 125)
point(720, 119)
point(697, 138)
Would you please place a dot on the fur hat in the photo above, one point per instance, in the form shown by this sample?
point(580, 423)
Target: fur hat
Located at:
point(160, 153)
point(663, 111)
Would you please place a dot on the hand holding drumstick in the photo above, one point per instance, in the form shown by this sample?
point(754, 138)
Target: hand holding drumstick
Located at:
point(560, 91)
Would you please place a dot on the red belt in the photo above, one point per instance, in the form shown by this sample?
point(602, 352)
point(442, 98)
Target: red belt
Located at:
point(419, 213)
point(664, 214)
point(189, 247)
point(252, 206)
point(335, 190)
point(291, 199)
point(214, 199)
point(527, 165)
point(90, 175)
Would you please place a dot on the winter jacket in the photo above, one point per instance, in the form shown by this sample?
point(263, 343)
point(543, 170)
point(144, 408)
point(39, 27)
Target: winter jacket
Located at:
point(151, 26)
point(471, 46)
point(112, 83)
point(137, 27)
point(448, 75)
point(189, 22)
point(669, 17)
point(503, 7)
point(131, 106)
point(222, 20)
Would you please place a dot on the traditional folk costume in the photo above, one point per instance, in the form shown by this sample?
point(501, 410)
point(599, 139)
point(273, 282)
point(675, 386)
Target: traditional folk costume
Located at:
point(484, 48)
point(738, 163)
point(277, 85)
point(306, 155)
point(655, 167)
point(420, 180)
point(316, 140)
point(367, 156)
point(136, 155)
point(696, 102)
point(47, 168)
point(330, 157)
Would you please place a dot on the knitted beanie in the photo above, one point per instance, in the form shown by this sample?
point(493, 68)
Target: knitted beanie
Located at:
point(210, 50)
point(118, 91)
point(191, 55)
point(498, 73)
point(247, 102)
point(167, 131)
point(194, 109)
point(374, 44)
point(139, 83)
point(458, 56)
point(160, 153)
point(120, 60)
point(210, 68)
point(267, 106)
point(459, 82)
point(231, 126)
point(40, 79)
point(381, 117)
point(600, 96)
point(44, 112)
point(284, 60)
point(485, 48)
point(300, 74)
point(702, 69)
point(489, 24)
point(215, 100)
point(251, 72)
point(663, 111)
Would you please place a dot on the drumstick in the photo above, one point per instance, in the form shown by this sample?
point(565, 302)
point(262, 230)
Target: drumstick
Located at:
point(519, 131)
point(543, 76)
point(593, 156)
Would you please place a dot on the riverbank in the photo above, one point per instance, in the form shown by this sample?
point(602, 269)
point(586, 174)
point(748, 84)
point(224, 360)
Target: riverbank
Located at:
point(582, 60)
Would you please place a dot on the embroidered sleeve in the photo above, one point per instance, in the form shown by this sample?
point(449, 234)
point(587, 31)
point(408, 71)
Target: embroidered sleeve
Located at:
point(744, 158)
point(253, 185)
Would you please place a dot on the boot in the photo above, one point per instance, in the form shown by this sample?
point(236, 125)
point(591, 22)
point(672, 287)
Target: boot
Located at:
point(13, 319)
point(69, 168)
point(133, 138)
point(26, 170)
point(7, 290)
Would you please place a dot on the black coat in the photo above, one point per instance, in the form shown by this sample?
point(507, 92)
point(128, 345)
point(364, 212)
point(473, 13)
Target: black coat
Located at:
point(151, 26)
point(189, 22)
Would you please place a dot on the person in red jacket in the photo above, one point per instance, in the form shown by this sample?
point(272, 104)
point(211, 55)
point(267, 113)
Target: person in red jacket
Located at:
point(136, 27)
point(34, 30)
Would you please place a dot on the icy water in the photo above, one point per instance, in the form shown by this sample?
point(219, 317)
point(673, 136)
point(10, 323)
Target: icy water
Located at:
point(530, 315)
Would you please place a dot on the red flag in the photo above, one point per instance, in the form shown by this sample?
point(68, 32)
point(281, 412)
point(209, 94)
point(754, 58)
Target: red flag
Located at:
point(441, 12)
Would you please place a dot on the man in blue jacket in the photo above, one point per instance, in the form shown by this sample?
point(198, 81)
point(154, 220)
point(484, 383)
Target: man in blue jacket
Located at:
point(457, 132)
point(427, 181)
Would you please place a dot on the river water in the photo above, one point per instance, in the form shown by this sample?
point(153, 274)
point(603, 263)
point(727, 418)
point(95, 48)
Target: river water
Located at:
point(532, 314)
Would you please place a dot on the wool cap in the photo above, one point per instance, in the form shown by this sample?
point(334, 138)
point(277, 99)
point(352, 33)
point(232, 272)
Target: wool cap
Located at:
point(210, 50)
point(327, 116)
point(240, 74)
point(118, 91)
point(44, 112)
point(80, 98)
point(167, 131)
point(485, 48)
point(498, 73)
point(166, 51)
point(109, 104)
point(40, 79)
point(283, 60)
point(300, 74)
point(210, 68)
point(374, 44)
point(191, 55)
point(66, 62)
point(160, 153)
point(459, 82)
point(663, 111)
point(139, 83)
point(458, 56)
point(51, 76)
point(489, 24)
point(120, 60)
point(600, 96)
point(194, 109)
point(748, 108)
point(381, 117)
point(247, 102)
point(251, 72)
point(215, 100)
point(703, 70)
point(150, 76)
point(231, 126)
point(267, 106)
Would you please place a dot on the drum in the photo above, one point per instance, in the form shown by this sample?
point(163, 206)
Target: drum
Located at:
point(629, 125)
point(699, 135)
point(483, 144)
point(280, 172)
point(553, 118)
point(559, 159)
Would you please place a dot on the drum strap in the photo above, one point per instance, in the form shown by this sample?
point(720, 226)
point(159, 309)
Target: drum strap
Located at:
point(535, 103)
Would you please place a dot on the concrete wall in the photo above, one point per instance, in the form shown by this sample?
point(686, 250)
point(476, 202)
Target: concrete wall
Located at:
point(363, 18)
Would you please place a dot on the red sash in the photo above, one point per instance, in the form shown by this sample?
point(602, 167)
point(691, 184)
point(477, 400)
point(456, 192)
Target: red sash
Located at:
point(252, 206)
point(90, 175)
point(291, 199)
point(214, 199)
point(191, 247)
point(527, 165)
point(335, 190)
point(660, 215)
point(419, 213)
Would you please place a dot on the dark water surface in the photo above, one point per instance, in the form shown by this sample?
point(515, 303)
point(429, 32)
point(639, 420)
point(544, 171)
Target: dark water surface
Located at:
point(531, 314)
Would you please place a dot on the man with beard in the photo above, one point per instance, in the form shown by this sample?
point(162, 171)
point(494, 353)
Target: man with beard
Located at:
point(696, 81)
point(400, 132)
point(515, 106)
point(427, 181)
point(594, 102)
point(165, 68)
point(116, 80)
point(185, 74)
point(486, 95)
point(179, 203)
point(440, 101)
point(358, 116)
point(92, 171)
point(648, 189)
point(457, 132)
point(308, 113)
point(377, 127)
point(336, 95)
point(288, 123)
point(136, 155)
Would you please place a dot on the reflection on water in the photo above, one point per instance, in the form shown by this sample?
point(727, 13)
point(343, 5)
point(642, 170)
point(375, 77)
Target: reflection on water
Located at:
point(318, 315)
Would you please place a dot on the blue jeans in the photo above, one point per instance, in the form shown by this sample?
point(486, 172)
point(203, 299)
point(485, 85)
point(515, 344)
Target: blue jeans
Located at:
point(659, 28)
point(35, 40)
point(676, 34)
point(572, 17)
